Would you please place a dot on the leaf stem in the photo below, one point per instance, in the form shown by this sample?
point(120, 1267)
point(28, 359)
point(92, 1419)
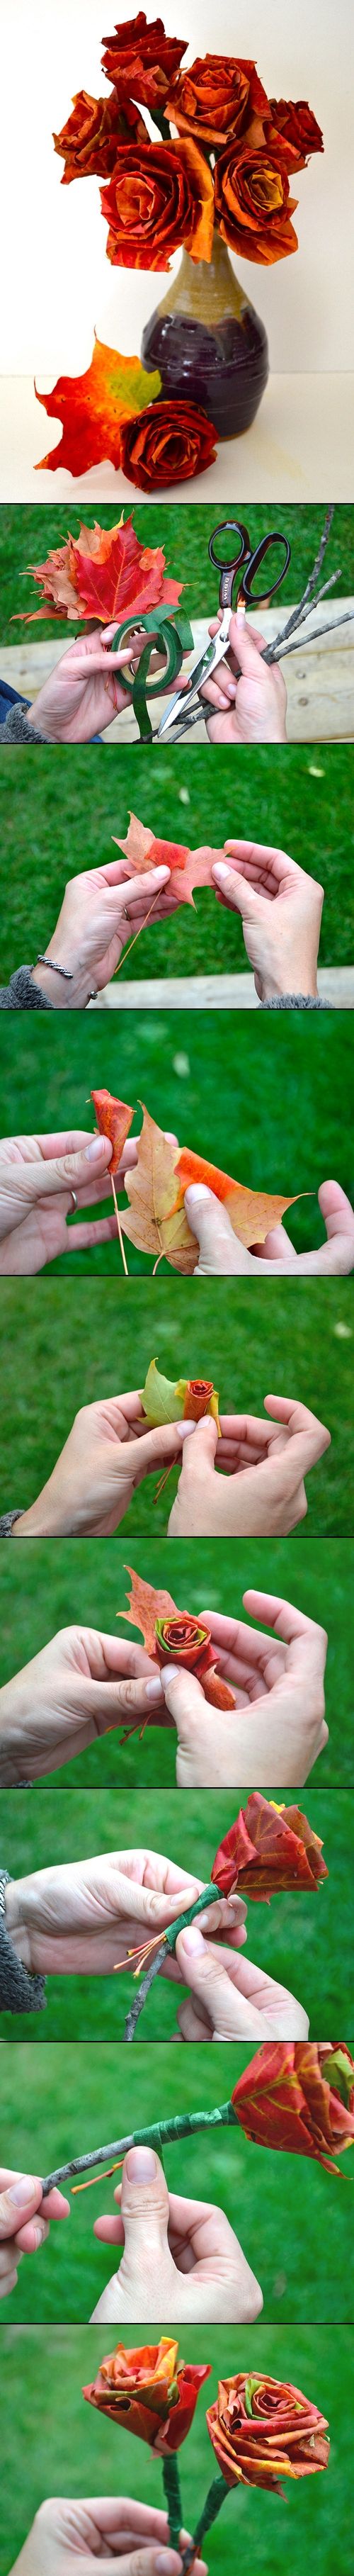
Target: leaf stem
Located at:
point(137, 934)
point(119, 1229)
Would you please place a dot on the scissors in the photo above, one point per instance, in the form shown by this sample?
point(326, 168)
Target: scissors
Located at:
point(238, 573)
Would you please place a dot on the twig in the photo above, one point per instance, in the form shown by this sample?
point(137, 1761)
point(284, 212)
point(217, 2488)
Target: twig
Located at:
point(209, 1896)
point(316, 638)
point(160, 2133)
point(316, 569)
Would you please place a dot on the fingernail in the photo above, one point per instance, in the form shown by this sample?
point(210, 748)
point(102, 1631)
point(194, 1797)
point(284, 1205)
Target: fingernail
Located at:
point(196, 1193)
point(184, 1428)
point(166, 2562)
point(193, 1938)
point(39, 2234)
point(171, 1672)
point(21, 2191)
point(161, 875)
point(95, 1148)
point(154, 1689)
point(220, 871)
point(141, 2165)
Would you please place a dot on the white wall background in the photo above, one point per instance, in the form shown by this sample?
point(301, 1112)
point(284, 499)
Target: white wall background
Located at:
point(56, 281)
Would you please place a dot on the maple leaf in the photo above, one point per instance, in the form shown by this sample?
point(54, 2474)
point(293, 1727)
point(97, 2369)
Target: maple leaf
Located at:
point(153, 1226)
point(188, 867)
point(189, 1399)
point(114, 1119)
point(103, 573)
point(252, 1213)
point(146, 1605)
point(94, 407)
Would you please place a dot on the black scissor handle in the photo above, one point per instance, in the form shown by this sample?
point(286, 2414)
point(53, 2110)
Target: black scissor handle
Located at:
point(275, 538)
point(235, 528)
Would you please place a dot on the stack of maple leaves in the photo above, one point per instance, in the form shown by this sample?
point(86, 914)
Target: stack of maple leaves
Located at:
point(156, 1187)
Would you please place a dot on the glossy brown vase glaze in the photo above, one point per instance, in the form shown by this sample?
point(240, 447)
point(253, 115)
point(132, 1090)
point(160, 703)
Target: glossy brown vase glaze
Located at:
point(208, 342)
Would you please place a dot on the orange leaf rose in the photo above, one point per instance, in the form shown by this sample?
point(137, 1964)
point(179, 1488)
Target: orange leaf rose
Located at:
point(180, 1639)
point(160, 194)
point(170, 443)
point(262, 2429)
point(88, 142)
point(268, 1848)
point(298, 2097)
point(114, 1119)
point(217, 96)
point(253, 204)
point(296, 126)
point(141, 60)
point(150, 2392)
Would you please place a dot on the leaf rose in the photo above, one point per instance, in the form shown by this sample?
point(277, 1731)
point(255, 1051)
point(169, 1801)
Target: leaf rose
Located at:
point(150, 2392)
point(297, 128)
point(168, 443)
point(217, 96)
point(268, 1848)
point(262, 2429)
point(160, 194)
point(298, 2097)
point(88, 142)
point(140, 59)
point(187, 1642)
point(253, 204)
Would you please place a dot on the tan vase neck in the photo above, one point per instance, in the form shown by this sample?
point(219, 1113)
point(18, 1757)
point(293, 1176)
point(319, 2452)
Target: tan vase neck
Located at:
point(206, 289)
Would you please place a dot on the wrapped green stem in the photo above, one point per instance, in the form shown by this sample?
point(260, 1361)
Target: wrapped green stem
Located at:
point(160, 2133)
point(172, 2491)
point(209, 1896)
point(213, 2502)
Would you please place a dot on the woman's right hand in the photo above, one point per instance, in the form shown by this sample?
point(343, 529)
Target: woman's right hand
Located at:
point(79, 1685)
point(129, 2539)
point(106, 1455)
point(229, 1997)
point(281, 911)
point(261, 1492)
point(276, 1729)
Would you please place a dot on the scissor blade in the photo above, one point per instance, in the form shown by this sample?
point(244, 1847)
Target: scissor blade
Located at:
point(202, 670)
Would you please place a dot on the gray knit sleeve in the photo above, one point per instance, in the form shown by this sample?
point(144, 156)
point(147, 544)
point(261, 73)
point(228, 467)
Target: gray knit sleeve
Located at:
point(296, 1002)
point(22, 995)
point(20, 1992)
point(17, 727)
point(7, 1521)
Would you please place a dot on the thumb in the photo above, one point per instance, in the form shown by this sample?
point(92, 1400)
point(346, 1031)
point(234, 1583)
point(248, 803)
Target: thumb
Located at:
point(65, 1172)
point(155, 2561)
point(144, 2208)
point(19, 2203)
point(154, 1446)
point(246, 646)
point(202, 1970)
point(236, 890)
point(199, 1453)
point(186, 1703)
point(219, 1247)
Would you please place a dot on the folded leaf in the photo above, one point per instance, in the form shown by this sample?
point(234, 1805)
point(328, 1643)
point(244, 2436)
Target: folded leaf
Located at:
point(114, 1119)
point(150, 1189)
point(146, 1605)
point(189, 1400)
point(188, 867)
point(252, 1213)
point(174, 1635)
point(94, 407)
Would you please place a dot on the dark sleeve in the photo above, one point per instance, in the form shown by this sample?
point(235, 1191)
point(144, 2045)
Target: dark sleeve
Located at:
point(7, 1521)
point(21, 994)
point(20, 1992)
point(17, 727)
point(296, 1002)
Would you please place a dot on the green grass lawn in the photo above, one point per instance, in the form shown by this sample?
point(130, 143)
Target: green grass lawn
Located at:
point(45, 2121)
point(60, 1351)
point(305, 1940)
point(54, 2444)
point(28, 534)
point(299, 799)
point(269, 1101)
point(43, 1588)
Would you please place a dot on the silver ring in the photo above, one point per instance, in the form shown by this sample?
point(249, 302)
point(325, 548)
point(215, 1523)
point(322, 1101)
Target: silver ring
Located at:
point(93, 993)
point(74, 1198)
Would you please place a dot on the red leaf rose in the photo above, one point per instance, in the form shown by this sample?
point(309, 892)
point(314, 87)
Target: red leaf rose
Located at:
point(170, 443)
point(253, 204)
point(268, 1848)
point(160, 194)
point(217, 96)
point(180, 1639)
point(142, 60)
point(298, 2097)
point(263, 2429)
point(296, 126)
point(150, 2392)
point(88, 141)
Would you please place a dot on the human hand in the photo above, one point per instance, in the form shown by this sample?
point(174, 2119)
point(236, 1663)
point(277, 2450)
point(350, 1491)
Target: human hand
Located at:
point(80, 1685)
point(230, 1998)
point(246, 695)
point(107, 1453)
point(38, 1176)
point(181, 2259)
point(260, 1490)
point(129, 2539)
point(281, 910)
point(85, 1918)
point(276, 1730)
point(102, 909)
point(84, 692)
point(221, 1254)
point(24, 2221)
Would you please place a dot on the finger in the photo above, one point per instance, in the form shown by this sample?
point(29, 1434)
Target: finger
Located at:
point(18, 2202)
point(144, 2209)
point(40, 1180)
point(289, 1623)
point(186, 1703)
point(83, 1238)
point(203, 1969)
point(235, 889)
point(201, 1450)
point(220, 1250)
point(156, 1445)
point(140, 889)
point(309, 1436)
point(246, 644)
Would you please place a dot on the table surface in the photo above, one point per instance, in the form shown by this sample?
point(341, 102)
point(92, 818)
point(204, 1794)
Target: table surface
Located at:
point(299, 449)
point(214, 992)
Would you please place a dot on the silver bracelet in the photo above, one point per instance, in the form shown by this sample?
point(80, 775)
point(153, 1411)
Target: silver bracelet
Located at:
point(41, 960)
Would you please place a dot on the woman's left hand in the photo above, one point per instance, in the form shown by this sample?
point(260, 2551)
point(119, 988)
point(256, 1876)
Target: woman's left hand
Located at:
point(24, 2221)
point(86, 1917)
